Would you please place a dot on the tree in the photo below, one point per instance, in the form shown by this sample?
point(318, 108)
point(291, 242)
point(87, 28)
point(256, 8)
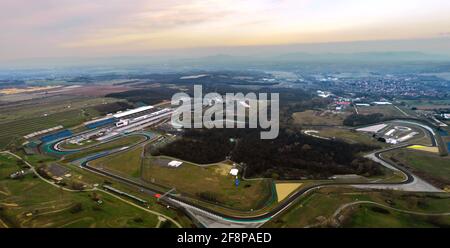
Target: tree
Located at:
point(76, 208)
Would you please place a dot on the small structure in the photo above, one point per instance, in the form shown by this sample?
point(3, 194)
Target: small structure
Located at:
point(234, 172)
point(174, 163)
point(362, 105)
point(343, 103)
point(17, 174)
point(382, 103)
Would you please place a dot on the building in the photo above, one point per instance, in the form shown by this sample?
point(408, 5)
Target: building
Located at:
point(132, 111)
point(382, 103)
point(174, 163)
point(362, 105)
point(234, 172)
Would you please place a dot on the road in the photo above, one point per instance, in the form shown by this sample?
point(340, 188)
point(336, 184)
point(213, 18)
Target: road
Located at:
point(213, 218)
point(159, 215)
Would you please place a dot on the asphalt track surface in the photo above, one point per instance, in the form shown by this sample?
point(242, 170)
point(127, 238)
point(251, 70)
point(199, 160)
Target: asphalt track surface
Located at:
point(255, 218)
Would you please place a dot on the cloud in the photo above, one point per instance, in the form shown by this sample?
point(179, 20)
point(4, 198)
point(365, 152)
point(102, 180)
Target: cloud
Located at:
point(61, 27)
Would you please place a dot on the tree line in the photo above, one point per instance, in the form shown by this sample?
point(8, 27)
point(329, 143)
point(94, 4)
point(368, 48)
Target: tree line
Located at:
point(290, 156)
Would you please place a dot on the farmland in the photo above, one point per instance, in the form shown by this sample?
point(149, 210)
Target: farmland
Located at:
point(49, 106)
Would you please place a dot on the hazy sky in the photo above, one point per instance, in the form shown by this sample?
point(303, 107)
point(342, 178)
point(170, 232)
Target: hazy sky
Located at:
point(52, 28)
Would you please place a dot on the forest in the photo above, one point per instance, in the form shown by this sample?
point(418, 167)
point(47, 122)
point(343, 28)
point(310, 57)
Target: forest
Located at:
point(290, 156)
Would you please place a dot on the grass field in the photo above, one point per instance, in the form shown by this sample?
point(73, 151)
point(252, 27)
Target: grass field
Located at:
point(428, 104)
point(212, 184)
point(428, 165)
point(49, 106)
point(387, 110)
point(70, 146)
point(350, 136)
point(90, 179)
point(318, 208)
point(126, 163)
point(118, 143)
point(370, 216)
point(30, 202)
point(312, 117)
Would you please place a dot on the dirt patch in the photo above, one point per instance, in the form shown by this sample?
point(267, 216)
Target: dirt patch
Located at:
point(11, 91)
point(9, 204)
point(284, 189)
point(223, 169)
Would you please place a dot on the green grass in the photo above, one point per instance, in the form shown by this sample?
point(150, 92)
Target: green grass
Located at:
point(89, 179)
point(53, 207)
point(432, 166)
point(127, 163)
point(117, 143)
point(369, 216)
point(319, 206)
point(312, 117)
point(350, 136)
point(419, 103)
point(66, 145)
point(49, 106)
point(192, 180)
point(387, 111)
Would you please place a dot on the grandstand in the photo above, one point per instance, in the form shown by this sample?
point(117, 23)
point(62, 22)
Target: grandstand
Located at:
point(100, 122)
point(55, 136)
point(132, 112)
point(37, 133)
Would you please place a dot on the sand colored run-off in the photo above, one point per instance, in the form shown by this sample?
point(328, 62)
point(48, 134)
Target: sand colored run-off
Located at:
point(284, 189)
point(424, 148)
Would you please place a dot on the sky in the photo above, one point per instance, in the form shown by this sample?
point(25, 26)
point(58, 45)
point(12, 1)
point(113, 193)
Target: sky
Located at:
point(83, 28)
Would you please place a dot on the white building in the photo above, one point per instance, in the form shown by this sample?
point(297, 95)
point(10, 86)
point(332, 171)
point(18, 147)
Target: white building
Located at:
point(234, 172)
point(119, 115)
point(382, 103)
point(174, 163)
